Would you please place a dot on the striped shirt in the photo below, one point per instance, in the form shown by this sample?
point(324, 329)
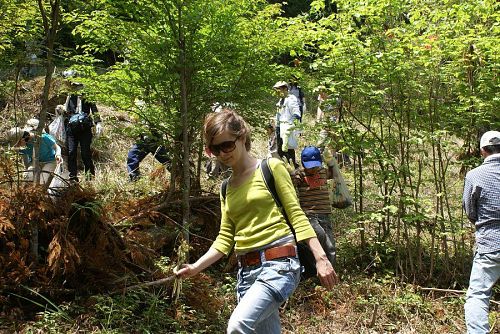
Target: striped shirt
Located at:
point(314, 193)
point(481, 202)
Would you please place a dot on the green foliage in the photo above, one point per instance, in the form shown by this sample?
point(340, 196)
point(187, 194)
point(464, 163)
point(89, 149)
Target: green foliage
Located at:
point(400, 304)
point(52, 322)
point(229, 284)
point(418, 82)
point(175, 60)
point(21, 39)
point(52, 315)
point(226, 51)
point(416, 88)
point(50, 307)
point(140, 311)
point(92, 208)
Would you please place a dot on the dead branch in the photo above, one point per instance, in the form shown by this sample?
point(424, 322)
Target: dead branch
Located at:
point(443, 290)
point(183, 227)
point(167, 204)
point(374, 316)
point(164, 281)
point(453, 291)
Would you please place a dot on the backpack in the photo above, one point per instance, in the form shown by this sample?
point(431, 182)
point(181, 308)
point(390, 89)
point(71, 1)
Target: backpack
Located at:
point(305, 255)
point(80, 122)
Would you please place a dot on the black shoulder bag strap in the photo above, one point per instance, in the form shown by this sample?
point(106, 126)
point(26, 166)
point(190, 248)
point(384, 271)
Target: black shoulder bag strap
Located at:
point(268, 177)
point(223, 188)
point(305, 255)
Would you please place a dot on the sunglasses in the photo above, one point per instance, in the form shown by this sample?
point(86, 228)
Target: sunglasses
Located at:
point(226, 147)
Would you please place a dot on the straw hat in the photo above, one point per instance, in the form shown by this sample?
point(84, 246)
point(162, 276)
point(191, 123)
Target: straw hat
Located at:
point(280, 84)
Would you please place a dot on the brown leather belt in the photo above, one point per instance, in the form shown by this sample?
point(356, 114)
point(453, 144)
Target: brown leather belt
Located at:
point(253, 258)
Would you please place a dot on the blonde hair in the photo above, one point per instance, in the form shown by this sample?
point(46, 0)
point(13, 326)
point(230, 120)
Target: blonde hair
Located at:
point(226, 120)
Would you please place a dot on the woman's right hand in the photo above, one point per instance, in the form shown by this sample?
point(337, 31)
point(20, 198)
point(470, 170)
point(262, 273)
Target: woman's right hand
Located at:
point(187, 270)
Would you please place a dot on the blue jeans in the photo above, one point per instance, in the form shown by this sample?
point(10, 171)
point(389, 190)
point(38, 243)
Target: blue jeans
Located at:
point(260, 292)
point(484, 274)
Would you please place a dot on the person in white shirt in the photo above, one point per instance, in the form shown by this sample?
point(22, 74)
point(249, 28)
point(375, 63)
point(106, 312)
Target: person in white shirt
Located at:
point(287, 118)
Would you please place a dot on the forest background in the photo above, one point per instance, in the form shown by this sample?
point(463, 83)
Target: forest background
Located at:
point(419, 85)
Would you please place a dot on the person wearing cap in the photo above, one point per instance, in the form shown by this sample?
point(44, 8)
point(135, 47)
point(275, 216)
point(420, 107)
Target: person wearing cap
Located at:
point(287, 117)
point(314, 196)
point(49, 155)
point(80, 133)
point(481, 201)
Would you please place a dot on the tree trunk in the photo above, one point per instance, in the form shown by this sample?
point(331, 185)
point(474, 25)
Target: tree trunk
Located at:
point(50, 26)
point(361, 223)
point(184, 79)
point(16, 121)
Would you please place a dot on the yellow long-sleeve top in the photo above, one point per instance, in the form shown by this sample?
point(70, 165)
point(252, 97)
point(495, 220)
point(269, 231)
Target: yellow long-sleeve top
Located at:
point(251, 218)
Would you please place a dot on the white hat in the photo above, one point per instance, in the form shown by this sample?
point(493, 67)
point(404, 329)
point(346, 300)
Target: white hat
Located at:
point(490, 138)
point(72, 74)
point(280, 84)
point(31, 124)
point(68, 73)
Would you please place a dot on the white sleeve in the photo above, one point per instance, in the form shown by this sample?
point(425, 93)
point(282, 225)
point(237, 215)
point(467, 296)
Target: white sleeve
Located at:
point(57, 150)
point(66, 103)
point(293, 105)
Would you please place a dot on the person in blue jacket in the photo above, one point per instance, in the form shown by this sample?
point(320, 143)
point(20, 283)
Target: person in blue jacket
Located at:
point(49, 155)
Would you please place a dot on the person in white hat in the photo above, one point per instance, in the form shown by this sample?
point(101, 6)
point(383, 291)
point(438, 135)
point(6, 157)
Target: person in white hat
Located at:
point(287, 116)
point(49, 155)
point(481, 200)
point(32, 124)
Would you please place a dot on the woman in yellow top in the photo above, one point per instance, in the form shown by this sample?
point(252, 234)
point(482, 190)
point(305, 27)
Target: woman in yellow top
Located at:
point(269, 269)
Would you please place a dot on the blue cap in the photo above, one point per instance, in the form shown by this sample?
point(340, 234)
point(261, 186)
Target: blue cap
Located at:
point(311, 157)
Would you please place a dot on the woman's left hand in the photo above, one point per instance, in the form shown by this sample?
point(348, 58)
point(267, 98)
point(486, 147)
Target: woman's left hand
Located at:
point(324, 268)
point(327, 275)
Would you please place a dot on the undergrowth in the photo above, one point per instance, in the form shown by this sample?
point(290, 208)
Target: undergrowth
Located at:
point(359, 304)
point(371, 297)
